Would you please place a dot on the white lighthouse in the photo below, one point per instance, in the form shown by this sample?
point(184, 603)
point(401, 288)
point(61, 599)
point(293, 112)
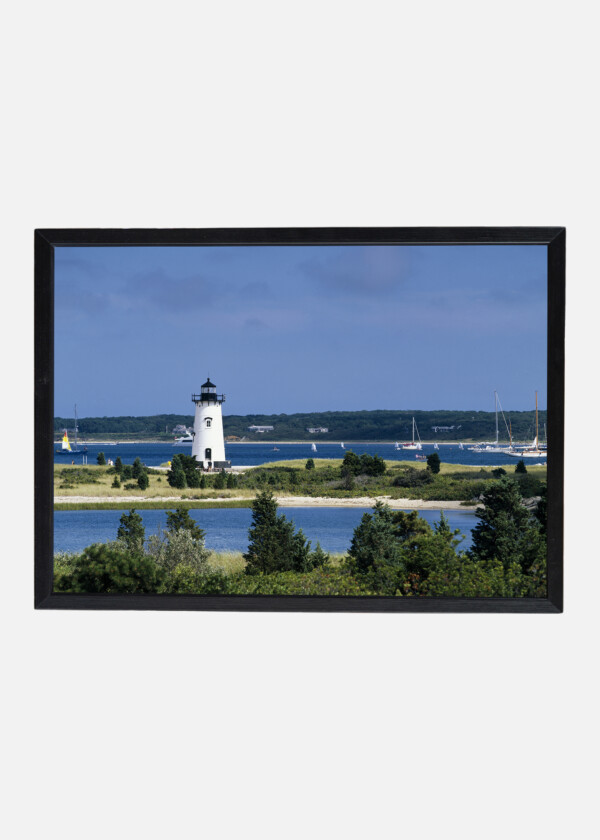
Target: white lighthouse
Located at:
point(208, 447)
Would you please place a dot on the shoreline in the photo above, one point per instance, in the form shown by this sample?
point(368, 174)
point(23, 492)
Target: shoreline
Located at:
point(283, 442)
point(282, 501)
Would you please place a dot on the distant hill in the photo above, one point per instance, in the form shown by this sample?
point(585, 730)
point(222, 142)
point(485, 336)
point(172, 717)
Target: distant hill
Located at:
point(341, 425)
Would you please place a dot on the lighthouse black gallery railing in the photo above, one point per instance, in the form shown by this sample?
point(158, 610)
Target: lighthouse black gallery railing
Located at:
point(207, 397)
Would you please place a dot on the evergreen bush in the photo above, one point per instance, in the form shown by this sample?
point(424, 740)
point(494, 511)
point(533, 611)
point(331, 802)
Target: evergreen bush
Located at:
point(273, 543)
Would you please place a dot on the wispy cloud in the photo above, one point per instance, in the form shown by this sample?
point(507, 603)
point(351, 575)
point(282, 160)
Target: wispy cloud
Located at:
point(170, 293)
point(359, 270)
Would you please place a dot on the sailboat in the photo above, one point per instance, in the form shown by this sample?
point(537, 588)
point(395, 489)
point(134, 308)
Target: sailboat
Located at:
point(342, 445)
point(396, 445)
point(66, 447)
point(414, 444)
point(489, 446)
point(435, 446)
point(534, 450)
point(313, 446)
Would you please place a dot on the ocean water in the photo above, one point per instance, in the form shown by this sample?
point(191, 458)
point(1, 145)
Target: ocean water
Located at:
point(253, 454)
point(227, 528)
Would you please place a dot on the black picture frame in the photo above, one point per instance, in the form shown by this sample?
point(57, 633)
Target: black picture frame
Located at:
point(46, 240)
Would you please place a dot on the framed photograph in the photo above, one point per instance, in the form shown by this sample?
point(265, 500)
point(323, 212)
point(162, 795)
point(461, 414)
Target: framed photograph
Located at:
point(300, 419)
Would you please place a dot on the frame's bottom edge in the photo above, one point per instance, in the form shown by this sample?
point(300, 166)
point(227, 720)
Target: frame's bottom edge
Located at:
point(298, 603)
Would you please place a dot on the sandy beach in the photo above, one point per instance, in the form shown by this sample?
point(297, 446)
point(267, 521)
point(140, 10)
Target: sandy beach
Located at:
point(283, 501)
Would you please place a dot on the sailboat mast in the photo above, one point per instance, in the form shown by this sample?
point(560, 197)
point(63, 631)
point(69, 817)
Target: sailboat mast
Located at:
point(75, 426)
point(537, 443)
point(496, 407)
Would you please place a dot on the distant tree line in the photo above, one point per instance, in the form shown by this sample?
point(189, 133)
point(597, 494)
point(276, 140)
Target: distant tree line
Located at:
point(342, 425)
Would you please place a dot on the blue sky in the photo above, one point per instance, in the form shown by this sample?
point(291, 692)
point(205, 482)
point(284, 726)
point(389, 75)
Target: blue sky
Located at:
point(289, 329)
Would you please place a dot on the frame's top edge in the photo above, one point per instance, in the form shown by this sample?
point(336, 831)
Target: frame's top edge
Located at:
point(283, 236)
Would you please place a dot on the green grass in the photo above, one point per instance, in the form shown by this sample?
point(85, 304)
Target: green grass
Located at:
point(231, 562)
point(300, 463)
point(150, 504)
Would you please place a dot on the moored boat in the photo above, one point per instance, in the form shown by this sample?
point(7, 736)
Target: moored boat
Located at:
point(414, 444)
point(533, 451)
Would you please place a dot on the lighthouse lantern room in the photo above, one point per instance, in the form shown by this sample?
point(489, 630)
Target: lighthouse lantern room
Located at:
point(208, 447)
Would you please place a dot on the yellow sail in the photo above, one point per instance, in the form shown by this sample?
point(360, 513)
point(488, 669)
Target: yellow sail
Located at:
point(65, 442)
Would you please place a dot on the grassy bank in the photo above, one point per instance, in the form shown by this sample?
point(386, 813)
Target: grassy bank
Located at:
point(148, 504)
point(80, 488)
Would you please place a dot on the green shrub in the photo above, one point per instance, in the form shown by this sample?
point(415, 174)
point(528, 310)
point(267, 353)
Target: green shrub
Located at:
point(529, 485)
point(374, 542)
point(412, 477)
point(101, 459)
point(506, 531)
point(180, 519)
point(131, 532)
point(104, 568)
point(176, 475)
point(433, 463)
point(170, 549)
point(185, 579)
point(326, 581)
point(351, 464)
point(319, 558)
point(371, 464)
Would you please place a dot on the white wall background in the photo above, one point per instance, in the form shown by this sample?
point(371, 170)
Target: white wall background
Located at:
point(192, 114)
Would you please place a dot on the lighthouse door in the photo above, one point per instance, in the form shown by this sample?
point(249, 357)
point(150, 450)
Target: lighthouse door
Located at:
point(208, 454)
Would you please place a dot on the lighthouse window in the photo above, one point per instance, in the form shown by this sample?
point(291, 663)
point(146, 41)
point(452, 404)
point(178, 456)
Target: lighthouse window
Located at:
point(208, 422)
